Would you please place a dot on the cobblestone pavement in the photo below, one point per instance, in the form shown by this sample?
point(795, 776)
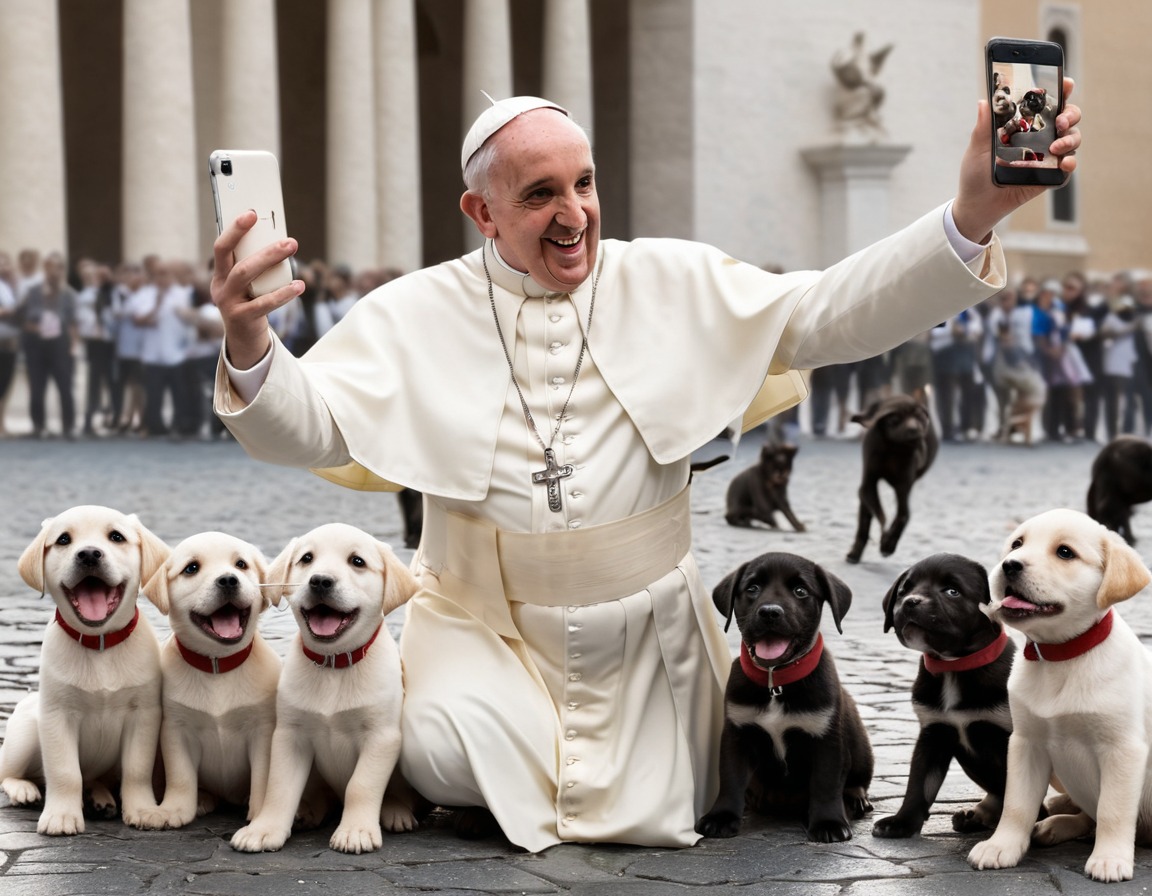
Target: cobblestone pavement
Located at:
point(967, 503)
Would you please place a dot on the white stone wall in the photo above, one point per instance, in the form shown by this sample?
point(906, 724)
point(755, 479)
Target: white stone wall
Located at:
point(764, 90)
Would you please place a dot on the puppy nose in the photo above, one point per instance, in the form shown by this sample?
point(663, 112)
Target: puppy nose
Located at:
point(1011, 567)
point(228, 582)
point(770, 612)
point(89, 556)
point(321, 583)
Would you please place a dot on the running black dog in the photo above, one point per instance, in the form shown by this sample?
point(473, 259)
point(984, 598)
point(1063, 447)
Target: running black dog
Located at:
point(899, 447)
point(961, 691)
point(793, 738)
point(1121, 477)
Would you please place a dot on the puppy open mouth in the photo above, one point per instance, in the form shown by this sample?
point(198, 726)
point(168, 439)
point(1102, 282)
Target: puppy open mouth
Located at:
point(327, 624)
point(1015, 607)
point(94, 600)
point(769, 652)
point(226, 624)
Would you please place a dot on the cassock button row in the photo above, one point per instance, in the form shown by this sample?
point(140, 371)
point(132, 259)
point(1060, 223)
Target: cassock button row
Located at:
point(569, 734)
point(575, 656)
point(570, 784)
point(555, 318)
point(575, 524)
point(572, 705)
point(575, 676)
point(576, 495)
point(558, 380)
point(572, 760)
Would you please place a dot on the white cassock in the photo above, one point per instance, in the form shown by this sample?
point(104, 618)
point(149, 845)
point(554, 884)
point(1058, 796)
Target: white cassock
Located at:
point(566, 669)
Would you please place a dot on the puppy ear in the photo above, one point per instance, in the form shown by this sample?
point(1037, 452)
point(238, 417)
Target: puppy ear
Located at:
point(278, 586)
point(156, 589)
point(836, 593)
point(890, 601)
point(31, 562)
point(153, 552)
point(724, 595)
point(1124, 571)
point(399, 583)
point(260, 563)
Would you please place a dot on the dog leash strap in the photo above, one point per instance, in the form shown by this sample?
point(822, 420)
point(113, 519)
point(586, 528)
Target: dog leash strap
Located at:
point(1069, 650)
point(984, 657)
point(102, 641)
point(341, 660)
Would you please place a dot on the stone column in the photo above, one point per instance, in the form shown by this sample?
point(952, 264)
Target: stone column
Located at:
point(567, 76)
point(32, 181)
point(249, 96)
point(351, 199)
point(160, 169)
point(398, 136)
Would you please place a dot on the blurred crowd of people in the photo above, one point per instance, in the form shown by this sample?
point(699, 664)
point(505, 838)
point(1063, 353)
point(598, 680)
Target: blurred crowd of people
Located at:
point(141, 338)
point(1069, 357)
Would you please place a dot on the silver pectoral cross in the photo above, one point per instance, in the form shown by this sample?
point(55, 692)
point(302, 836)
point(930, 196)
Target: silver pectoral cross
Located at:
point(551, 476)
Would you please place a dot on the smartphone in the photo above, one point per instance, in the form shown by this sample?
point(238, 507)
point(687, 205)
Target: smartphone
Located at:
point(1026, 93)
point(245, 179)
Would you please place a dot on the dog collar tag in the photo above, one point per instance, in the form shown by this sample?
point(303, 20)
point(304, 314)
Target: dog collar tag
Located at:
point(102, 641)
point(1069, 650)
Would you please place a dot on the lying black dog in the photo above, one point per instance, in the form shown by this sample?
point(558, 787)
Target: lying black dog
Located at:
point(899, 447)
point(793, 738)
point(961, 691)
point(757, 493)
point(1121, 477)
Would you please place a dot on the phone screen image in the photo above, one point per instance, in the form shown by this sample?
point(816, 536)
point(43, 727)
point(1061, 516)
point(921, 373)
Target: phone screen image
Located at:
point(1025, 100)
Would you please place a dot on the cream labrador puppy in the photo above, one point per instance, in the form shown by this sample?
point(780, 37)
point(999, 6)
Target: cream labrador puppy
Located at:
point(219, 677)
point(95, 721)
point(1081, 697)
point(338, 703)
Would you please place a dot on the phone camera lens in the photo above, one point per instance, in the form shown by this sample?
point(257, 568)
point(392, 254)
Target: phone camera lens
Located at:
point(226, 167)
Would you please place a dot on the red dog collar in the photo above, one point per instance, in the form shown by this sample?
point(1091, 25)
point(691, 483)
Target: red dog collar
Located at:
point(1069, 650)
point(778, 676)
point(99, 642)
point(341, 660)
point(215, 665)
point(984, 657)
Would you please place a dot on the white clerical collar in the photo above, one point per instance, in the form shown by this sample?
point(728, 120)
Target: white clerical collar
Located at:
point(516, 282)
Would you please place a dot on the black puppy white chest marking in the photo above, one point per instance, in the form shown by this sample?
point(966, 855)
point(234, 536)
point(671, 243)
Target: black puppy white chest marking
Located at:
point(947, 712)
point(776, 721)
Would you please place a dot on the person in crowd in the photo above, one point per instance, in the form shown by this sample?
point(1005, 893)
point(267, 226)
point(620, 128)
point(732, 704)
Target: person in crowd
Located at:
point(1063, 368)
point(9, 334)
point(49, 337)
point(131, 282)
point(955, 349)
point(1118, 332)
point(163, 348)
point(96, 324)
point(1085, 312)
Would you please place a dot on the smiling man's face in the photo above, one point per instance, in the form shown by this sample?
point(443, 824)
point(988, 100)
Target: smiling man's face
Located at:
point(541, 207)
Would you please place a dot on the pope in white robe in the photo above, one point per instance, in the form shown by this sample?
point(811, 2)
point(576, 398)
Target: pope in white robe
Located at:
point(564, 667)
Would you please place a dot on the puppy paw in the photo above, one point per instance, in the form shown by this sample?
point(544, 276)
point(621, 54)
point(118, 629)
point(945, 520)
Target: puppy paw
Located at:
point(1106, 866)
point(969, 821)
point(995, 854)
point(259, 838)
point(149, 818)
point(310, 814)
point(356, 838)
point(60, 823)
point(829, 830)
point(856, 802)
point(896, 828)
point(1061, 828)
point(800, 527)
point(205, 803)
point(719, 824)
point(397, 818)
point(854, 556)
point(20, 792)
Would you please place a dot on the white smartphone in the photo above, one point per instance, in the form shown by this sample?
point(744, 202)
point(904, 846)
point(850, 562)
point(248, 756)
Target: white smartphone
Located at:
point(245, 179)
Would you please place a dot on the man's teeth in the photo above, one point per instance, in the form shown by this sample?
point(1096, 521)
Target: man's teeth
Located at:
point(571, 241)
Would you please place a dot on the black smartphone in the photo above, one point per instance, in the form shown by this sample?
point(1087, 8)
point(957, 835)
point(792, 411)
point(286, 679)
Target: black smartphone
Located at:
point(1026, 93)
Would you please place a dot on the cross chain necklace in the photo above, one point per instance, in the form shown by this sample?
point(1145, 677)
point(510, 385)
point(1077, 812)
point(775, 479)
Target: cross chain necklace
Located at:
point(552, 472)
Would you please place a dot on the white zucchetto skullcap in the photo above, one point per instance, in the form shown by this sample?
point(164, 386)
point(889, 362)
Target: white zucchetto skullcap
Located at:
point(495, 117)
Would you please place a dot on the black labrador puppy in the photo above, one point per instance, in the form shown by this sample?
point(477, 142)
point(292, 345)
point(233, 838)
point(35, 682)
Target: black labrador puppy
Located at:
point(793, 738)
point(1121, 478)
point(961, 690)
point(898, 447)
point(757, 493)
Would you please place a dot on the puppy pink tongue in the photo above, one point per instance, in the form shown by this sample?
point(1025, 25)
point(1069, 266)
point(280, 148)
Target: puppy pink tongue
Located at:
point(771, 649)
point(324, 623)
point(226, 623)
point(93, 600)
point(1015, 603)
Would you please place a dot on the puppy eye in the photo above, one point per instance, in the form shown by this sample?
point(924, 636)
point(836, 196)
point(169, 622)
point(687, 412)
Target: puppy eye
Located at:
point(951, 592)
point(306, 559)
point(1017, 543)
point(116, 536)
point(191, 569)
point(800, 591)
point(241, 564)
point(357, 560)
point(64, 539)
point(752, 589)
point(1065, 553)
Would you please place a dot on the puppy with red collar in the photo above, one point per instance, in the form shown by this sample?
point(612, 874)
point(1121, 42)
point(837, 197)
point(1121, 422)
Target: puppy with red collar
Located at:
point(793, 738)
point(1082, 698)
point(961, 690)
point(219, 677)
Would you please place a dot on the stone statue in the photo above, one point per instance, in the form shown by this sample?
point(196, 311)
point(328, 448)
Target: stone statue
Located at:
point(857, 107)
